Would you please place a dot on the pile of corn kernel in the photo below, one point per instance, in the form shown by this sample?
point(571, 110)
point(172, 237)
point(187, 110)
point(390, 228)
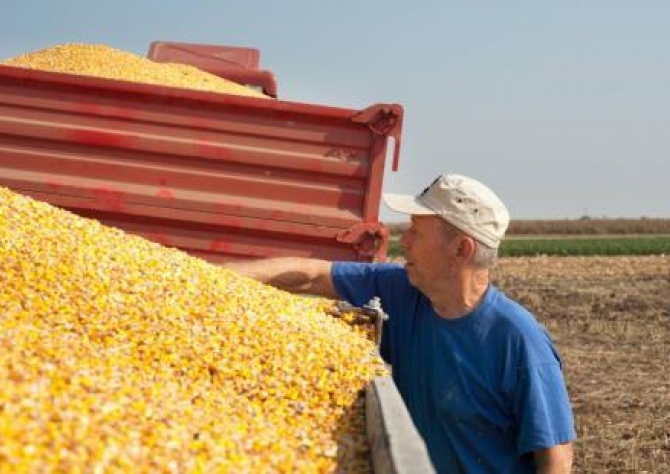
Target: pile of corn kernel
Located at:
point(103, 61)
point(118, 355)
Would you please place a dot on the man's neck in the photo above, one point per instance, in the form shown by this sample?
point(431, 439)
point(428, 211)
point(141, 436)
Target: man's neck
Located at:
point(462, 297)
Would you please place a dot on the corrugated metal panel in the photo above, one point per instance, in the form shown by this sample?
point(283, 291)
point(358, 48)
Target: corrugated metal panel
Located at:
point(217, 175)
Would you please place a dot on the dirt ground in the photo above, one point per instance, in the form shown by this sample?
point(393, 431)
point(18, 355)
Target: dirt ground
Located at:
point(610, 319)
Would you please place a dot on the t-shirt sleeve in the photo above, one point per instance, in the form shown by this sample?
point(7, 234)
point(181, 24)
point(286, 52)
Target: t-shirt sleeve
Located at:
point(542, 408)
point(358, 283)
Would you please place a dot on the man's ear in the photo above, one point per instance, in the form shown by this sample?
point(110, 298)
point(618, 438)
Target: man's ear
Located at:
point(466, 247)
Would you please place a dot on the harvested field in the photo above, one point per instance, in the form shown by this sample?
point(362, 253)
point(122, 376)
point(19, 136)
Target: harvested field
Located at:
point(610, 318)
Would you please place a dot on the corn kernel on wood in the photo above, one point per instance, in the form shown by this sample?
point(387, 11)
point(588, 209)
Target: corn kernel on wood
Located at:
point(103, 61)
point(117, 354)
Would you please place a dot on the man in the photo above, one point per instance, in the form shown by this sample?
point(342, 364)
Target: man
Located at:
point(480, 377)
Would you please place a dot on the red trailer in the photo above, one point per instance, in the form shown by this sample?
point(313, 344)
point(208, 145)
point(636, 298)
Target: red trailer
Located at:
point(217, 175)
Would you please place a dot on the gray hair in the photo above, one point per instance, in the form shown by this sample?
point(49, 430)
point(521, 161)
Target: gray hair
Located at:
point(485, 257)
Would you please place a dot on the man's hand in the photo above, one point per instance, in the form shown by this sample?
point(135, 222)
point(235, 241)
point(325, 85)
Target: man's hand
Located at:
point(554, 460)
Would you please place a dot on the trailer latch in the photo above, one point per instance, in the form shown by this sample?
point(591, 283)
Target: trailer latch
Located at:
point(384, 120)
point(369, 239)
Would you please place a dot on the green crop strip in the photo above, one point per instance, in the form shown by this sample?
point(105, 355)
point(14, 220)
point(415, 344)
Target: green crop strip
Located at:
point(518, 247)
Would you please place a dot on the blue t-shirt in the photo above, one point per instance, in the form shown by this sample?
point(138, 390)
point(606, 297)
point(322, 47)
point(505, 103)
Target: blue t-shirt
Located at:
point(484, 390)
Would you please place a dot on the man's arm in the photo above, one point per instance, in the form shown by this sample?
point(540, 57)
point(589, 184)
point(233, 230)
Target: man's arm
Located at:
point(294, 274)
point(554, 460)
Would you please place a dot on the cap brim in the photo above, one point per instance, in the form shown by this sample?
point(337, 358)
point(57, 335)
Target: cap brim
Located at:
point(406, 204)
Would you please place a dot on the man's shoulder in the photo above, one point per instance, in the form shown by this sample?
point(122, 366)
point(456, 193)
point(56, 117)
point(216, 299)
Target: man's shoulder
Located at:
point(358, 282)
point(510, 314)
point(517, 325)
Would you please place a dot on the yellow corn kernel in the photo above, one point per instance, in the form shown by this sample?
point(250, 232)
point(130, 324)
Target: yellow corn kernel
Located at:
point(118, 354)
point(103, 61)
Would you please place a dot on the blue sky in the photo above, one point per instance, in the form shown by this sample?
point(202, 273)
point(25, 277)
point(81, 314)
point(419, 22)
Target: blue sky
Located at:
point(562, 107)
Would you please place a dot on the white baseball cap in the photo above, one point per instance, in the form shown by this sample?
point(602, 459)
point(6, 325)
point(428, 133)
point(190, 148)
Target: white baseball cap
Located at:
point(463, 202)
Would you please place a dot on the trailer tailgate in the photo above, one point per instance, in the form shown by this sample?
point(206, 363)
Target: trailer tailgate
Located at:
point(219, 176)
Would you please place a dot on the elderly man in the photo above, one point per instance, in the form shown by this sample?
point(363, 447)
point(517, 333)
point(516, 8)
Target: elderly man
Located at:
point(479, 375)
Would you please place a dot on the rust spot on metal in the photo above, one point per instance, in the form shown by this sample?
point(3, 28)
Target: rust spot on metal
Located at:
point(165, 193)
point(219, 246)
point(110, 198)
point(342, 154)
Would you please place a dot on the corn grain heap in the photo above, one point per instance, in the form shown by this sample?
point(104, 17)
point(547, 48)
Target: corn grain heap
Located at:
point(103, 61)
point(122, 355)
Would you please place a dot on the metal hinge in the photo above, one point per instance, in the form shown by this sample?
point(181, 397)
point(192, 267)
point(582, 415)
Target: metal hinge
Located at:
point(384, 120)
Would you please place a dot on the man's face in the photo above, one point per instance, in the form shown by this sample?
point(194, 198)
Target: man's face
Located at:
point(430, 248)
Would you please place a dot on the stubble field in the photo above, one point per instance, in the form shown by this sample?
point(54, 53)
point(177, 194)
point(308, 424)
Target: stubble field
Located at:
point(610, 319)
